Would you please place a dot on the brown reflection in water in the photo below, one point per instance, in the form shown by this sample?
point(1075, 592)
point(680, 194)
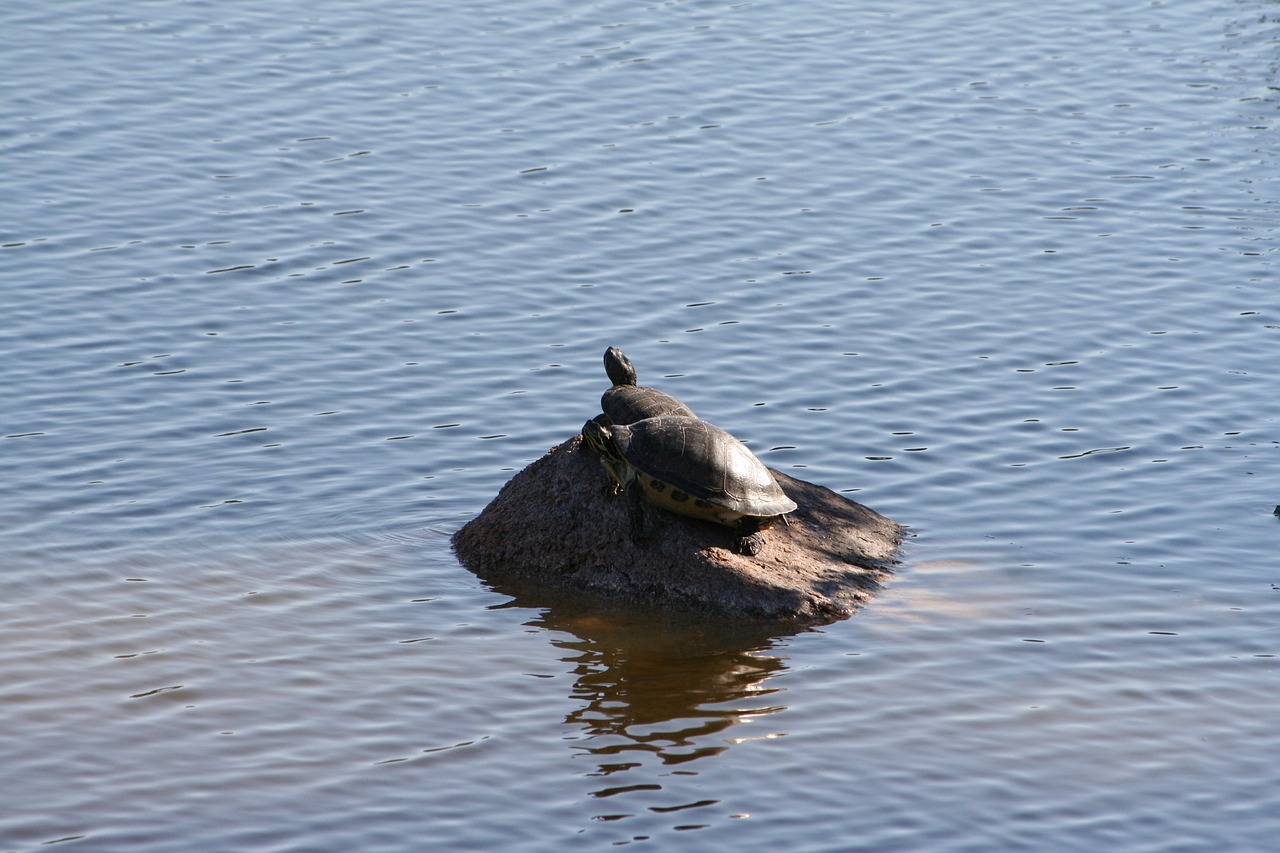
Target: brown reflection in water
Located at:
point(658, 684)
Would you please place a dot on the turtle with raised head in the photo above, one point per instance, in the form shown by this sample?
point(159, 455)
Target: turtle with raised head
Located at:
point(693, 468)
point(626, 402)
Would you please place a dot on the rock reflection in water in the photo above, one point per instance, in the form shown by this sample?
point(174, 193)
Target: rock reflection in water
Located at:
point(658, 687)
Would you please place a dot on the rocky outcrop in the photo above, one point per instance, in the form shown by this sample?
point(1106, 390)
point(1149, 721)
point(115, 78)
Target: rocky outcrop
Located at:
point(552, 527)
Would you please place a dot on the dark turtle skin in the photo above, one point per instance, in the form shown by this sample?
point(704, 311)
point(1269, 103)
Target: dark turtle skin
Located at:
point(693, 468)
point(626, 402)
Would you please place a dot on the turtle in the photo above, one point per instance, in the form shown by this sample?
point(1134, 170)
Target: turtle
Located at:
point(691, 467)
point(626, 402)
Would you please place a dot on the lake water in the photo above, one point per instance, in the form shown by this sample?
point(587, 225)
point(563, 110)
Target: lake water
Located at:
point(289, 290)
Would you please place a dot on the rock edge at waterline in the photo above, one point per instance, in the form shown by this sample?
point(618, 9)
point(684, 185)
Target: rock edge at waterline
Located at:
point(551, 526)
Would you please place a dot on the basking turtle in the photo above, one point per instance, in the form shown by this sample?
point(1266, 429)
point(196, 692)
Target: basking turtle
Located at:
point(626, 402)
point(693, 468)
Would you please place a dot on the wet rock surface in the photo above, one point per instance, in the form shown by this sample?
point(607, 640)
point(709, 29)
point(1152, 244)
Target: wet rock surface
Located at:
point(552, 526)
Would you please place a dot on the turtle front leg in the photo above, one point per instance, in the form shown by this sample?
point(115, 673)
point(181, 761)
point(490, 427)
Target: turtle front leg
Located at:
point(634, 493)
point(612, 488)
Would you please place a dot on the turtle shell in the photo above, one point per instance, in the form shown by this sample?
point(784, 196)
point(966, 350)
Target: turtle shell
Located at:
point(626, 404)
point(703, 460)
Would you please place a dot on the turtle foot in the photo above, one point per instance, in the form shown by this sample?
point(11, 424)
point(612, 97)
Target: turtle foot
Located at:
point(750, 544)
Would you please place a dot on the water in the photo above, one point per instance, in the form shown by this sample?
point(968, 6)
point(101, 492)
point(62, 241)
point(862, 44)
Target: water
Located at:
point(289, 291)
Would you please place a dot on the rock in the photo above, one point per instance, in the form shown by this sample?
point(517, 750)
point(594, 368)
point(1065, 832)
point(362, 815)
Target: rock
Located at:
point(553, 527)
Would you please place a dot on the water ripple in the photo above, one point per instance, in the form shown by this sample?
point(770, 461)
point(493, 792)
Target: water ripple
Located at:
point(288, 295)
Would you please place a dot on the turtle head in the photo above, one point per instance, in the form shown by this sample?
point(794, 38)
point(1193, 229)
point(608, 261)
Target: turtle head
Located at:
point(599, 436)
point(619, 367)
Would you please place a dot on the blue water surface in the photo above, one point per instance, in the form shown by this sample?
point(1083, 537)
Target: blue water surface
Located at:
point(289, 290)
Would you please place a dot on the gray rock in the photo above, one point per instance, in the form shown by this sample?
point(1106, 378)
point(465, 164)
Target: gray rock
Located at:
point(552, 527)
